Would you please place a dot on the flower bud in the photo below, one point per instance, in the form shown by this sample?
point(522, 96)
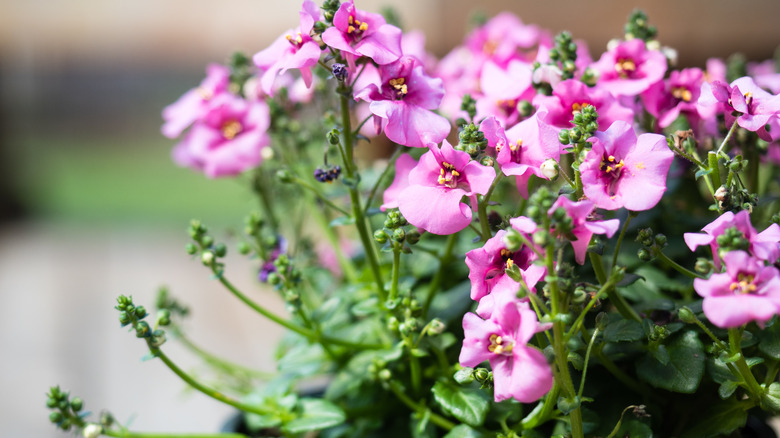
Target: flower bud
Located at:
point(644, 255)
point(549, 169)
point(512, 240)
point(163, 317)
point(220, 250)
point(244, 248)
point(140, 312)
point(333, 137)
point(142, 329)
point(157, 338)
point(207, 258)
point(436, 326)
point(92, 430)
point(191, 249)
point(413, 237)
point(284, 176)
point(481, 375)
point(563, 136)
point(340, 72)
point(686, 315)
point(721, 194)
point(385, 375)
point(55, 417)
point(399, 234)
point(380, 236)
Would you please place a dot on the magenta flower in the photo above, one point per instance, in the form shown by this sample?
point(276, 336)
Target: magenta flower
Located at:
point(432, 201)
point(764, 245)
point(629, 68)
point(358, 33)
point(679, 94)
point(582, 228)
point(295, 49)
point(521, 150)
point(747, 291)
point(488, 265)
point(403, 165)
point(503, 89)
point(753, 106)
point(195, 103)
point(228, 139)
point(403, 100)
point(519, 370)
point(571, 95)
point(622, 170)
point(505, 37)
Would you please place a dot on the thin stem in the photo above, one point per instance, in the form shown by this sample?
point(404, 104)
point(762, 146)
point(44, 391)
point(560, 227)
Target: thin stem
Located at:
point(598, 267)
point(631, 215)
point(360, 125)
point(444, 260)
point(320, 196)
point(728, 137)
point(396, 273)
point(712, 161)
point(260, 188)
point(482, 208)
point(434, 417)
point(587, 358)
point(309, 334)
point(218, 362)
point(674, 265)
point(735, 337)
point(543, 411)
point(379, 180)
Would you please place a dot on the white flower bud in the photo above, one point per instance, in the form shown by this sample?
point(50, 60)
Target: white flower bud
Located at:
point(671, 55)
point(613, 43)
point(266, 153)
point(207, 257)
point(92, 430)
point(721, 194)
point(549, 169)
point(653, 45)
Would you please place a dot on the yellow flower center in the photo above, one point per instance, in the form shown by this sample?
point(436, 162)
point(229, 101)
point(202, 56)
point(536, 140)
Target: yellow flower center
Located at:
point(356, 26)
point(624, 67)
point(744, 284)
point(612, 165)
point(448, 176)
point(498, 345)
point(295, 41)
point(682, 93)
point(231, 129)
point(400, 86)
point(577, 107)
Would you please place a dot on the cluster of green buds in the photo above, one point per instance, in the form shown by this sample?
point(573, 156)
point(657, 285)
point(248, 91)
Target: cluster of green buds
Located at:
point(205, 246)
point(241, 70)
point(731, 197)
point(130, 314)
point(286, 277)
point(732, 239)
point(472, 141)
point(638, 27)
point(469, 105)
point(651, 243)
point(167, 306)
point(466, 376)
point(397, 235)
point(329, 8)
point(586, 124)
point(406, 319)
point(261, 238)
point(66, 412)
point(564, 54)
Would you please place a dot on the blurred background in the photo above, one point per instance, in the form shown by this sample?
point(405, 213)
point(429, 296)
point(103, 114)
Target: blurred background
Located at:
point(91, 205)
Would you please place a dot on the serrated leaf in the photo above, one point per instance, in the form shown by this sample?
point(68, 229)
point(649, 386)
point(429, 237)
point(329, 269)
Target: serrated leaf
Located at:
point(623, 330)
point(469, 405)
point(316, 414)
point(463, 431)
point(685, 369)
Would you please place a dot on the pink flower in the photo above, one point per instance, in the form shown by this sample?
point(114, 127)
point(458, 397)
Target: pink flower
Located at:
point(503, 89)
point(582, 228)
point(488, 265)
point(764, 245)
point(519, 370)
point(228, 139)
point(359, 33)
point(295, 49)
point(403, 165)
point(195, 103)
point(753, 105)
point(679, 94)
point(403, 100)
point(629, 68)
point(504, 37)
point(571, 95)
point(622, 170)
point(747, 291)
point(432, 201)
point(522, 149)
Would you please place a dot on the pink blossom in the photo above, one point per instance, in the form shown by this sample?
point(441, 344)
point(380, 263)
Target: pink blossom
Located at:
point(403, 100)
point(622, 170)
point(295, 49)
point(403, 165)
point(747, 291)
point(195, 103)
point(503, 90)
point(488, 265)
point(413, 44)
point(228, 139)
point(582, 228)
point(764, 245)
point(432, 201)
point(519, 370)
point(358, 33)
point(521, 150)
point(571, 95)
point(753, 106)
point(505, 37)
point(765, 75)
point(629, 68)
point(679, 94)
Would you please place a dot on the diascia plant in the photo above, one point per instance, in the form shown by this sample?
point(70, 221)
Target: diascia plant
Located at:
point(558, 246)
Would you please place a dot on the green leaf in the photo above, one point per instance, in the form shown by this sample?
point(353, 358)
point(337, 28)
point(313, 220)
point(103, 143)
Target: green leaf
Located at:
point(770, 400)
point(462, 431)
point(316, 414)
point(685, 369)
point(661, 355)
point(469, 405)
point(719, 420)
point(464, 375)
point(702, 172)
point(769, 340)
point(727, 388)
point(342, 220)
point(623, 330)
point(635, 428)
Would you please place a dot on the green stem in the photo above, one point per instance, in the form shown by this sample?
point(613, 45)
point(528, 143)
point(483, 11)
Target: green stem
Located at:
point(375, 188)
point(320, 196)
point(396, 273)
point(259, 186)
point(598, 267)
point(631, 215)
point(674, 265)
point(543, 411)
point(712, 161)
point(434, 417)
point(216, 361)
point(728, 137)
point(587, 358)
point(735, 338)
point(309, 334)
point(435, 285)
point(482, 209)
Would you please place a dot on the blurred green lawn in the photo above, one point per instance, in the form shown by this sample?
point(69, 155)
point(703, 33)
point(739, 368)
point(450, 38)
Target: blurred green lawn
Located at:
point(123, 181)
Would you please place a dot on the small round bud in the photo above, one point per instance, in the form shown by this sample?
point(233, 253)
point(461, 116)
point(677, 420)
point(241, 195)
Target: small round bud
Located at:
point(244, 248)
point(399, 234)
point(549, 169)
point(487, 161)
point(142, 329)
point(541, 237)
point(412, 237)
point(163, 317)
point(644, 255)
point(92, 430)
point(207, 258)
point(51, 403)
point(191, 249)
point(436, 326)
point(273, 278)
point(660, 240)
point(563, 136)
point(220, 250)
point(385, 375)
point(333, 137)
point(140, 312)
point(157, 338)
point(55, 417)
point(284, 176)
point(124, 319)
point(106, 419)
point(525, 108)
point(686, 315)
point(207, 241)
point(721, 194)
point(481, 375)
point(340, 72)
point(380, 236)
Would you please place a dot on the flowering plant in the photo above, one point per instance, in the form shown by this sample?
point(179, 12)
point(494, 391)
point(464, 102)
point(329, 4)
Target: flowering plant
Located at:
point(619, 286)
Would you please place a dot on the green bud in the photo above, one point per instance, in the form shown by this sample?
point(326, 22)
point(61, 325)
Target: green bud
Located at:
point(482, 375)
point(163, 317)
point(385, 375)
point(191, 249)
point(563, 136)
point(273, 278)
point(106, 419)
point(55, 417)
point(487, 161)
point(644, 255)
point(541, 237)
point(380, 236)
point(399, 234)
point(207, 241)
point(660, 240)
point(157, 338)
point(525, 108)
point(142, 329)
point(123, 318)
point(436, 326)
point(220, 250)
point(412, 237)
point(334, 137)
point(207, 257)
point(686, 315)
point(140, 312)
point(76, 404)
point(244, 248)
point(512, 240)
point(51, 403)
point(284, 176)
